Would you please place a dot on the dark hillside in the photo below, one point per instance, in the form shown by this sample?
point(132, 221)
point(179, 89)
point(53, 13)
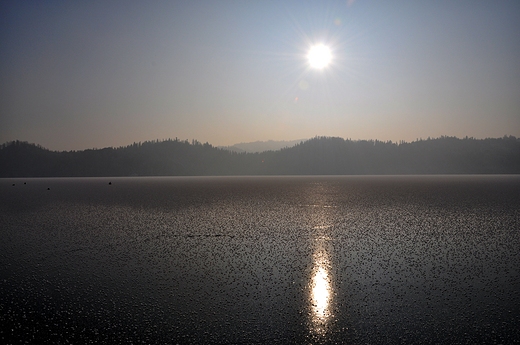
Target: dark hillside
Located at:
point(317, 156)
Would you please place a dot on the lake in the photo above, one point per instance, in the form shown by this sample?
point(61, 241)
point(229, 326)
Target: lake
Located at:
point(254, 260)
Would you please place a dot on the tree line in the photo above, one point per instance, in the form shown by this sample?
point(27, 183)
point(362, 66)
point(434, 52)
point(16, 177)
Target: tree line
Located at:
point(316, 156)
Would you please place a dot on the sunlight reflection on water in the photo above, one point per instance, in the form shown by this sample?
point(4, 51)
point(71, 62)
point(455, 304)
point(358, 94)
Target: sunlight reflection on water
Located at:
point(321, 291)
point(320, 294)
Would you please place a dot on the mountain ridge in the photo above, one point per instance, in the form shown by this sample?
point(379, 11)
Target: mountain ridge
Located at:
point(316, 156)
point(262, 146)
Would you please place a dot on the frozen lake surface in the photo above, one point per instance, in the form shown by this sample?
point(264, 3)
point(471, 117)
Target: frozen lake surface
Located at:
point(290, 260)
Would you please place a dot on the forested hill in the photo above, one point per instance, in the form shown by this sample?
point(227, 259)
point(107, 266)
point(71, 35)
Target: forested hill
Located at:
point(317, 156)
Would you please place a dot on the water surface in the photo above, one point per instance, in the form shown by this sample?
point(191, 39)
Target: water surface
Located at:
point(224, 260)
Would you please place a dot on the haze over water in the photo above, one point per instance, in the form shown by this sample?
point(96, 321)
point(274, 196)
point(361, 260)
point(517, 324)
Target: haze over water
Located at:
point(429, 259)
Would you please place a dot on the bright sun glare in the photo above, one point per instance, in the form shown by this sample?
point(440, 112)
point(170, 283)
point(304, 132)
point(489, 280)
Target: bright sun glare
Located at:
point(319, 56)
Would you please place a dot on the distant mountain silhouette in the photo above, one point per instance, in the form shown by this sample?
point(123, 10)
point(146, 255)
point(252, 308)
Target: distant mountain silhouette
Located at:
point(261, 146)
point(317, 156)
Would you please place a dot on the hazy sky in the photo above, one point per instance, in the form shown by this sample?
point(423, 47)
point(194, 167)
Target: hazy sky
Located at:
point(83, 74)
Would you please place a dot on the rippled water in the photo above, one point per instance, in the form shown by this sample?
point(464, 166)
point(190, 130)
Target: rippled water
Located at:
point(431, 259)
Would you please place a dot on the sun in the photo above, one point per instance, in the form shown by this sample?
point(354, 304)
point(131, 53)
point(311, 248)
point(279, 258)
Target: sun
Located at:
point(319, 56)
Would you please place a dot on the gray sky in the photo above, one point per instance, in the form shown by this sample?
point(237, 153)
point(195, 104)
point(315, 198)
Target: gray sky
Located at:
point(83, 74)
